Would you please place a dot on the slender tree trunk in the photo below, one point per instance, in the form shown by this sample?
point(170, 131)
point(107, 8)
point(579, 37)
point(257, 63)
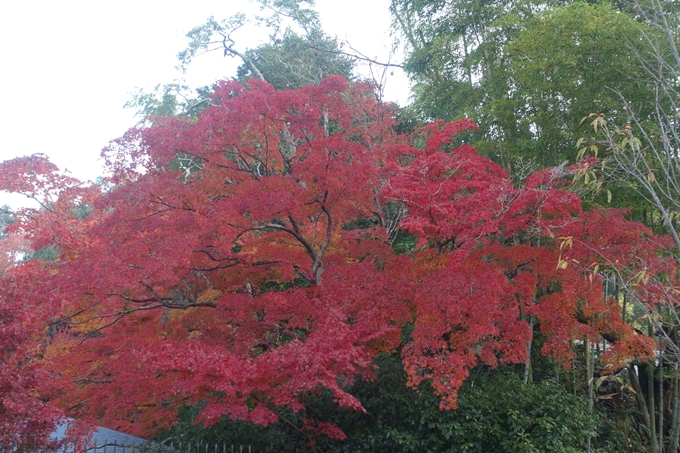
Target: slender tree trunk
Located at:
point(675, 421)
point(573, 376)
point(527, 368)
point(325, 122)
point(467, 63)
point(650, 393)
point(660, 428)
point(590, 360)
point(675, 426)
point(625, 305)
point(652, 408)
point(528, 372)
point(639, 395)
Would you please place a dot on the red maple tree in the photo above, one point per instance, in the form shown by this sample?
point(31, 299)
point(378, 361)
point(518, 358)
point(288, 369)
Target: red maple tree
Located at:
point(242, 260)
point(27, 312)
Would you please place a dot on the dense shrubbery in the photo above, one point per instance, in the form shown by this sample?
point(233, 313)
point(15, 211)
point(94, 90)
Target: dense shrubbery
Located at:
point(496, 412)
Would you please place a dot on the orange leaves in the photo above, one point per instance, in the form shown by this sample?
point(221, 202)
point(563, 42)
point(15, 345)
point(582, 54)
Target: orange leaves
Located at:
point(631, 344)
point(208, 295)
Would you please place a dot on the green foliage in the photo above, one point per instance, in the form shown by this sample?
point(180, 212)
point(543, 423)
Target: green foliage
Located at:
point(186, 164)
point(294, 61)
point(299, 10)
point(175, 99)
point(619, 430)
point(459, 65)
point(496, 413)
point(298, 282)
point(82, 211)
point(290, 60)
point(201, 37)
point(525, 71)
point(404, 242)
point(569, 62)
point(6, 219)
point(49, 253)
point(228, 432)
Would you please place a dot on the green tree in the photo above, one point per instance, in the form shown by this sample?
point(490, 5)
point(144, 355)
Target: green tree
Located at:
point(639, 152)
point(571, 61)
point(6, 219)
point(298, 54)
point(526, 71)
point(457, 60)
point(174, 99)
point(294, 60)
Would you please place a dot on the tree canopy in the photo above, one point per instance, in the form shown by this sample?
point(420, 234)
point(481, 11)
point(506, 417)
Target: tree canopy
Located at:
point(527, 72)
point(242, 260)
point(285, 249)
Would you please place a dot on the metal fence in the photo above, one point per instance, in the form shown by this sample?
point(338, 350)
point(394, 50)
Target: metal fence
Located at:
point(174, 447)
point(29, 446)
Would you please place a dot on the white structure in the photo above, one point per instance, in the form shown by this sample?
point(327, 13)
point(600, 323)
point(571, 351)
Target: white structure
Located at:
point(107, 440)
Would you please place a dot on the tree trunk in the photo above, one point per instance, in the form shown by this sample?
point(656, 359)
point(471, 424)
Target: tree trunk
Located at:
point(652, 414)
point(527, 367)
point(625, 306)
point(675, 426)
point(661, 411)
point(590, 360)
point(639, 395)
point(650, 393)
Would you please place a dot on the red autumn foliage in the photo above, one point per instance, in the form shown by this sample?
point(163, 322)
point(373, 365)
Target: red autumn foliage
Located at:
point(26, 419)
point(13, 246)
point(21, 411)
point(242, 260)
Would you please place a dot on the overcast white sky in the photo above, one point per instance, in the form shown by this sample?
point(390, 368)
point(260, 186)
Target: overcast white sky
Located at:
point(68, 66)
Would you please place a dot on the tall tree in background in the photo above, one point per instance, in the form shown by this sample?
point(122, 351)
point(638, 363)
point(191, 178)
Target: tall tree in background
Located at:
point(640, 153)
point(457, 60)
point(569, 62)
point(527, 72)
point(298, 54)
point(294, 61)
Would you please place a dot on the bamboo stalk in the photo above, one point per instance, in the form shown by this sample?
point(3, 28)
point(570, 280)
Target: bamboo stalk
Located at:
point(625, 304)
point(527, 367)
point(589, 374)
point(650, 393)
point(660, 430)
point(639, 395)
point(675, 427)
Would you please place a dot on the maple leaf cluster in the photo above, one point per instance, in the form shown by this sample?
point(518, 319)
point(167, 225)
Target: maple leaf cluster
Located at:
point(26, 418)
point(242, 260)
